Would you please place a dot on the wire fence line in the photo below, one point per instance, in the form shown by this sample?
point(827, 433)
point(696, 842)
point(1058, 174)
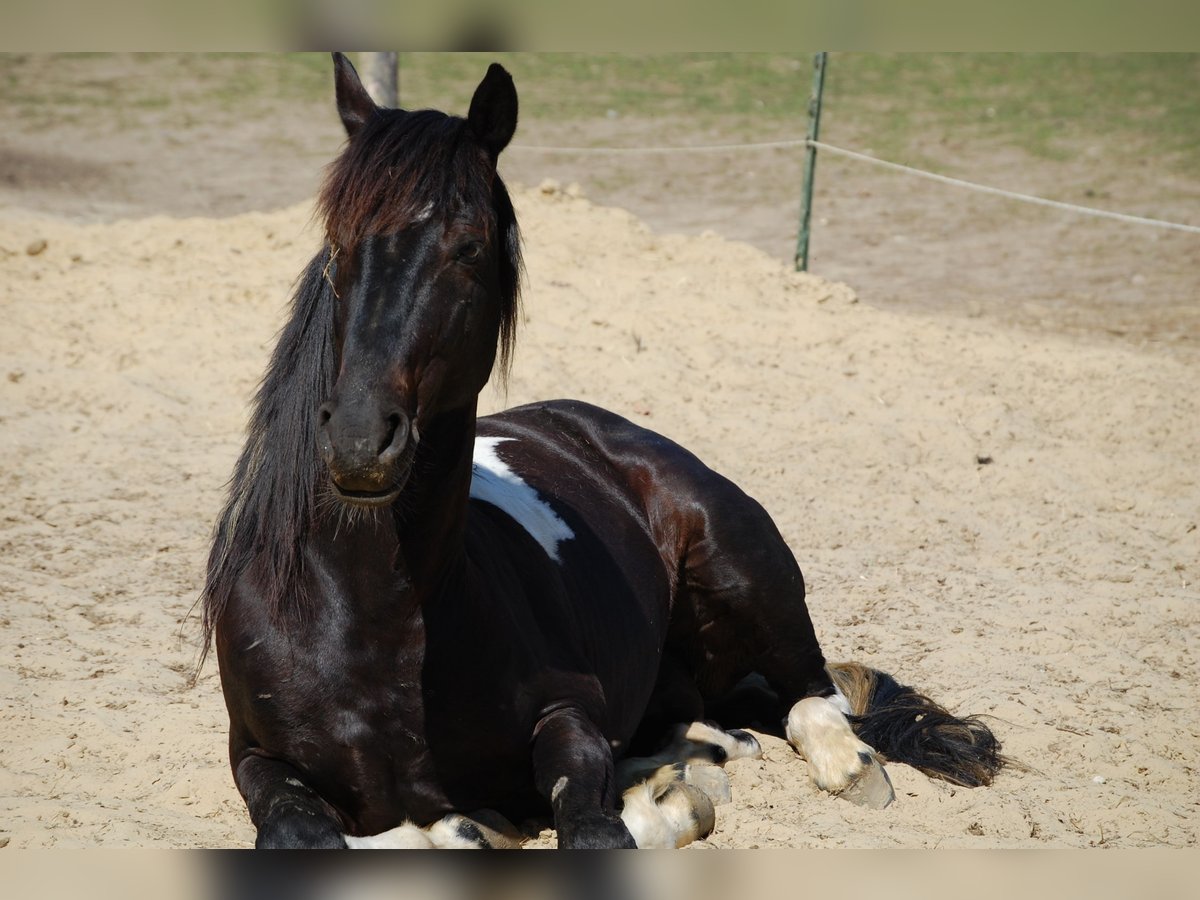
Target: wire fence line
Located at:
point(686, 148)
point(863, 157)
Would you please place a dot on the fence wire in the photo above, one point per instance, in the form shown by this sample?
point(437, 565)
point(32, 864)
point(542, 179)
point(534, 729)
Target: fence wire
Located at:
point(887, 164)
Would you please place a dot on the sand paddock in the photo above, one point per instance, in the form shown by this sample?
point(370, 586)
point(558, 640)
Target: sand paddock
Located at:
point(1006, 520)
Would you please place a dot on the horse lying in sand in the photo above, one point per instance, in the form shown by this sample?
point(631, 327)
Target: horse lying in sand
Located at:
point(418, 611)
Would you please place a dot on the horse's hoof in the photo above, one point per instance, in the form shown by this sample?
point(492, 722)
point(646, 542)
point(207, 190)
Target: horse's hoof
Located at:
point(597, 832)
point(872, 789)
point(298, 829)
point(689, 813)
point(711, 780)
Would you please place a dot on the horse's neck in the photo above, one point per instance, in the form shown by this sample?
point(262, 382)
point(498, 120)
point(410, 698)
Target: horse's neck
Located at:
point(434, 504)
point(418, 545)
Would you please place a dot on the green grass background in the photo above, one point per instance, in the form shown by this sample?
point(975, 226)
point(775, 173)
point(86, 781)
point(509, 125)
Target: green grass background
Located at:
point(1132, 105)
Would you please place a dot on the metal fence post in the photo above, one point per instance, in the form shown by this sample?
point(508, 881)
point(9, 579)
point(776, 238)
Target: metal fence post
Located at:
point(810, 160)
point(380, 78)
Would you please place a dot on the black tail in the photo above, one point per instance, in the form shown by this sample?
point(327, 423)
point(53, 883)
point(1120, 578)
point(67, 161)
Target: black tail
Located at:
point(906, 726)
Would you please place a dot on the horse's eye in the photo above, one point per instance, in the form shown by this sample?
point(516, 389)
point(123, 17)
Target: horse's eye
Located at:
point(470, 252)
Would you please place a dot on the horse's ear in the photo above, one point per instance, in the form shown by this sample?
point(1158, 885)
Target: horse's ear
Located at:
point(493, 115)
point(354, 104)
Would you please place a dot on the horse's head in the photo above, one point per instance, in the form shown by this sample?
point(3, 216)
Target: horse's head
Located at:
point(424, 261)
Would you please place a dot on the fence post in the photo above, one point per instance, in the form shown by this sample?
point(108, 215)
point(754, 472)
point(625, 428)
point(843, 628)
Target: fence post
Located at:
point(380, 78)
point(810, 160)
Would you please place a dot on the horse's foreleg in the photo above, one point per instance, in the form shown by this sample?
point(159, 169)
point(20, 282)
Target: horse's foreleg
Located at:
point(573, 769)
point(287, 813)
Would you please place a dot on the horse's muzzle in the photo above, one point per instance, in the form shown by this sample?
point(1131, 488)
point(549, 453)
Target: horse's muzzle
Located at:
point(369, 454)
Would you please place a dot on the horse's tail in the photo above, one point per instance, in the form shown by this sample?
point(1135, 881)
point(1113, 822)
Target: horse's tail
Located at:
point(905, 726)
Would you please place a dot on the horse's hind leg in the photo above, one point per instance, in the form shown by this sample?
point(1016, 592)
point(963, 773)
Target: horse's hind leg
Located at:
point(742, 610)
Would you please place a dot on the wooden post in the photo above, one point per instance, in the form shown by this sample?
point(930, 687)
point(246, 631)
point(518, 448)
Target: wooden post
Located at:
point(810, 160)
point(380, 77)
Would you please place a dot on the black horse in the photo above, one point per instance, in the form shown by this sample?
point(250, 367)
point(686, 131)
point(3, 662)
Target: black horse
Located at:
point(418, 612)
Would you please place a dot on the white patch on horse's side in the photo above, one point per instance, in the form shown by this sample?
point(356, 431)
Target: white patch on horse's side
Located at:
point(818, 729)
point(493, 481)
point(403, 837)
point(559, 787)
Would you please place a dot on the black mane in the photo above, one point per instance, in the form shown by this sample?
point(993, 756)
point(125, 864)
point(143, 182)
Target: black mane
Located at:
point(272, 495)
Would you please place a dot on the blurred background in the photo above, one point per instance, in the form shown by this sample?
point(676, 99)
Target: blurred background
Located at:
point(106, 136)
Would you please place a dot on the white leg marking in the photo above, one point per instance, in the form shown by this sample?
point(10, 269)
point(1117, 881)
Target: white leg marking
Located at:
point(839, 700)
point(668, 799)
point(664, 812)
point(486, 829)
point(493, 481)
point(689, 812)
point(819, 730)
point(650, 828)
point(692, 743)
point(403, 837)
point(737, 745)
point(445, 835)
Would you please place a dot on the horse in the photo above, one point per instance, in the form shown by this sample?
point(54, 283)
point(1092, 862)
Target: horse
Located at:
point(419, 611)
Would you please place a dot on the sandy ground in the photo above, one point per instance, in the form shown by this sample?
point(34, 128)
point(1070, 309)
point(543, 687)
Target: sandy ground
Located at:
point(1007, 520)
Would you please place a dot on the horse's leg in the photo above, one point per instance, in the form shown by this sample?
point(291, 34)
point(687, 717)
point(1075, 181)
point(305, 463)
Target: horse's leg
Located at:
point(674, 699)
point(814, 710)
point(744, 611)
point(287, 813)
point(484, 829)
point(665, 812)
point(696, 744)
point(573, 769)
point(669, 799)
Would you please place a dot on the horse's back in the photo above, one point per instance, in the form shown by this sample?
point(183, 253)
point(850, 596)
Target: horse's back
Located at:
point(571, 447)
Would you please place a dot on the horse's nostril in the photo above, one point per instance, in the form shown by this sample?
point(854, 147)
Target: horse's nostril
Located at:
point(324, 414)
point(395, 438)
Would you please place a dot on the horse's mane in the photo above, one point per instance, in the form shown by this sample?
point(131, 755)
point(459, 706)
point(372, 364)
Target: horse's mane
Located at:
point(393, 171)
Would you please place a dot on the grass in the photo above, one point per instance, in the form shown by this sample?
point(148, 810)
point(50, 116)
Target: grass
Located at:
point(1130, 105)
point(1047, 104)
